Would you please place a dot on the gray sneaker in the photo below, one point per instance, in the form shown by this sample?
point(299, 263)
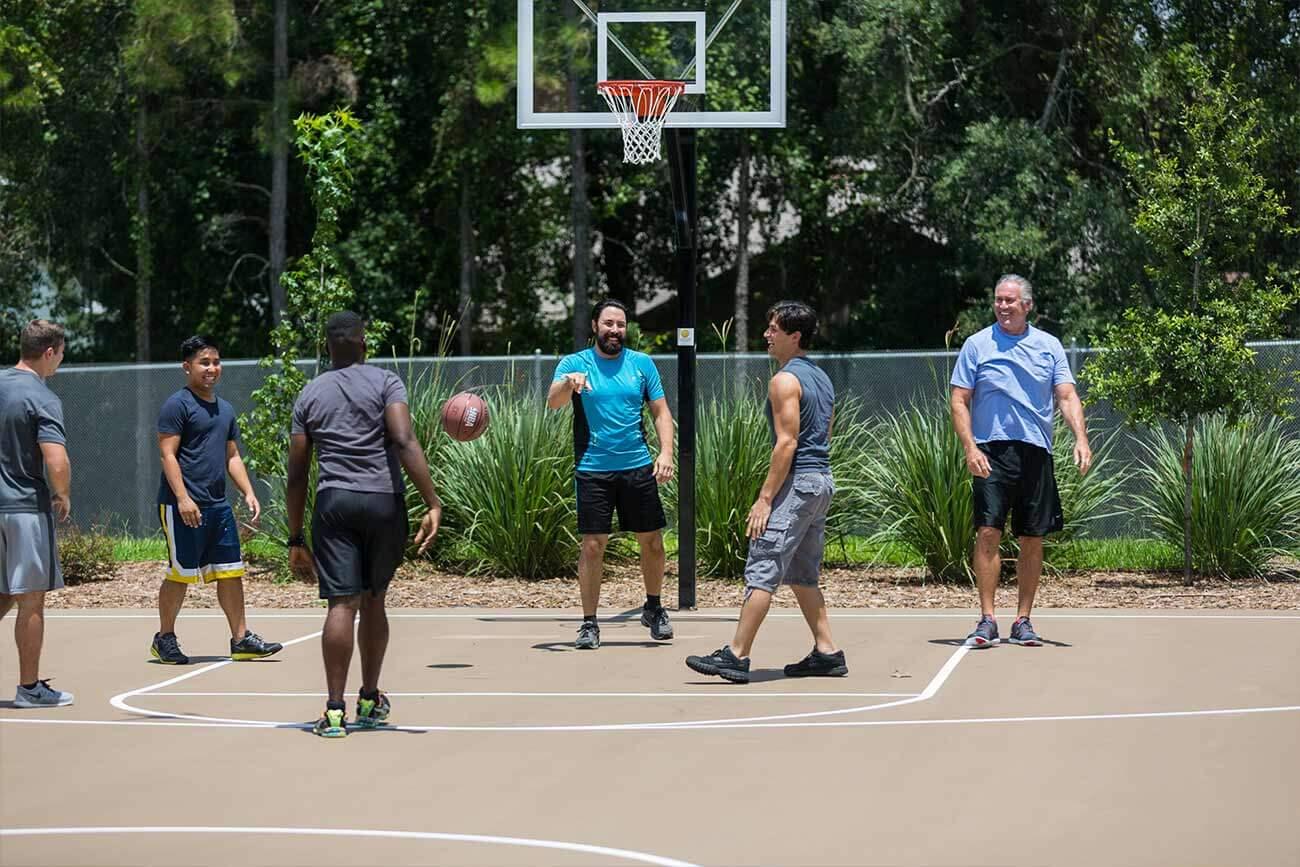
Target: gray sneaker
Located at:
point(661, 628)
point(588, 636)
point(985, 634)
point(41, 695)
point(1022, 632)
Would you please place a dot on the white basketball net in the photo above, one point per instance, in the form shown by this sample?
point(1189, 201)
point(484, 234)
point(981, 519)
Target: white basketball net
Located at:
point(641, 108)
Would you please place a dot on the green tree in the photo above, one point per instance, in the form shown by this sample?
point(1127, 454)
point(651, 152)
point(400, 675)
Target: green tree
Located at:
point(1203, 208)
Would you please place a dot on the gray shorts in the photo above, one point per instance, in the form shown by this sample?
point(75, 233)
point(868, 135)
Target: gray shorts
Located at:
point(790, 549)
point(29, 556)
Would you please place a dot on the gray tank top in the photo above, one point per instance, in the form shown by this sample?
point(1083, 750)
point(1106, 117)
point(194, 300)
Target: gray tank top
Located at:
point(816, 402)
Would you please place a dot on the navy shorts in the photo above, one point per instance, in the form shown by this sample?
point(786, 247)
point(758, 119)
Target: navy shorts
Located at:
point(208, 552)
point(1022, 482)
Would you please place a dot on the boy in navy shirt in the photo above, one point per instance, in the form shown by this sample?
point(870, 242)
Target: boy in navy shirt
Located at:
point(198, 437)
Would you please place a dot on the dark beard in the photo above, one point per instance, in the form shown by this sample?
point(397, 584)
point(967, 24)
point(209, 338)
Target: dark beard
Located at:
point(610, 345)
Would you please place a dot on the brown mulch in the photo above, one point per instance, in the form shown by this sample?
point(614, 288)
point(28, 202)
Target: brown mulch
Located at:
point(135, 585)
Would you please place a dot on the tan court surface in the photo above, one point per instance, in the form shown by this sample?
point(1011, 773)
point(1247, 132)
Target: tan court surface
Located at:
point(1134, 738)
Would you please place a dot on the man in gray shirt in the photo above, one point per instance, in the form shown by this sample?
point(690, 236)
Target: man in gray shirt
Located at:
point(32, 446)
point(356, 418)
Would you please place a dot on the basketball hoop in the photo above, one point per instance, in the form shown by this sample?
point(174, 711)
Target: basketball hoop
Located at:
point(641, 108)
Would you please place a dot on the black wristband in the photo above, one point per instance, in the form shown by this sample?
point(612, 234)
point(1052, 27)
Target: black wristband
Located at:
point(297, 540)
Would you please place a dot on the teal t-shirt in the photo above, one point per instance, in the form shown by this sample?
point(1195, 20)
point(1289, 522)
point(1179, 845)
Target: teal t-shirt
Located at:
point(607, 430)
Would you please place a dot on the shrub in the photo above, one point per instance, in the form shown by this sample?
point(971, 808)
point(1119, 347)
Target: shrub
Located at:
point(1245, 494)
point(85, 555)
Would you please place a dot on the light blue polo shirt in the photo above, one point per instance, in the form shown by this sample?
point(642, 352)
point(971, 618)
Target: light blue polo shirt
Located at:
point(607, 430)
point(1013, 377)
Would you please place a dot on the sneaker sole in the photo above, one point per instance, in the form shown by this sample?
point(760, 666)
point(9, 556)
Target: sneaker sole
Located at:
point(577, 646)
point(153, 651)
point(837, 671)
point(980, 642)
point(244, 657)
point(725, 673)
point(36, 704)
point(366, 724)
point(330, 733)
point(1030, 642)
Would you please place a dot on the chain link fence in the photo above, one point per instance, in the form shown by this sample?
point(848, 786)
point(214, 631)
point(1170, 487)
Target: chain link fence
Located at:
point(111, 410)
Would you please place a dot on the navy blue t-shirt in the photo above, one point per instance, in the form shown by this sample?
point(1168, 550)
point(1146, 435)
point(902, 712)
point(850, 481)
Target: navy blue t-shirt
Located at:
point(204, 428)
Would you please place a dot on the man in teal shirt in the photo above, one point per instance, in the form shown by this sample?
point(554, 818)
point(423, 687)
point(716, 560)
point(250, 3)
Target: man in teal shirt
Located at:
point(608, 385)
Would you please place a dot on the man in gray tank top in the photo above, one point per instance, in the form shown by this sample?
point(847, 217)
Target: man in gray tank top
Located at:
point(787, 523)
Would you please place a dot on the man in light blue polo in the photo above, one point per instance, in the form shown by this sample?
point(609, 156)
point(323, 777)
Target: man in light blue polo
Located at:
point(1003, 387)
point(608, 385)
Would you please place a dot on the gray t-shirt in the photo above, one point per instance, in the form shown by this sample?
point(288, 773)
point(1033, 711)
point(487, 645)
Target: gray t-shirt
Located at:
point(342, 412)
point(30, 414)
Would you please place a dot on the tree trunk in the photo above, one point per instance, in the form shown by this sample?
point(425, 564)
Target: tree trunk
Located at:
point(1187, 501)
point(143, 242)
point(741, 315)
point(467, 269)
point(279, 158)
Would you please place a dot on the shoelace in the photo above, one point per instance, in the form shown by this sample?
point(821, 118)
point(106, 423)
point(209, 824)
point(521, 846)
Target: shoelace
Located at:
point(169, 643)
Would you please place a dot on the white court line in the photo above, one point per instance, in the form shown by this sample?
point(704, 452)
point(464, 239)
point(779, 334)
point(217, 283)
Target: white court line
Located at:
point(584, 848)
point(734, 693)
point(1167, 714)
point(119, 702)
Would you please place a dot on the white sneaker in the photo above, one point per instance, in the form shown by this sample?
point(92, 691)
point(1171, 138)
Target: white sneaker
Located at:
point(41, 695)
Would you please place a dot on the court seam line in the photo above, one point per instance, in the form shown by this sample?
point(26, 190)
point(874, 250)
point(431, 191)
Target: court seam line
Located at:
point(729, 694)
point(526, 842)
point(565, 617)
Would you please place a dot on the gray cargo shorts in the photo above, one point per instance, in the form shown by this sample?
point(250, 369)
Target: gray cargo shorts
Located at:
point(790, 549)
point(29, 556)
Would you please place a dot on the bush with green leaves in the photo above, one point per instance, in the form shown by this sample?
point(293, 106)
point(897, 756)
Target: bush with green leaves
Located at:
point(1245, 494)
point(85, 555)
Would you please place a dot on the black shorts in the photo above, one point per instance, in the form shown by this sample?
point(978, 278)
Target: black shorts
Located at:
point(1022, 481)
point(634, 494)
point(358, 539)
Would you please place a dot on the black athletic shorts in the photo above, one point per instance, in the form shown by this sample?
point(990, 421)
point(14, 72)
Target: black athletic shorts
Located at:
point(1021, 481)
point(358, 539)
point(634, 494)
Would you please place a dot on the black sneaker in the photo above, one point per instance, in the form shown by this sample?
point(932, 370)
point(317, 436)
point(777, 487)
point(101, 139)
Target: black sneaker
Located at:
point(373, 712)
point(1022, 632)
point(661, 628)
point(588, 636)
point(723, 663)
point(251, 646)
point(332, 724)
point(166, 650)
point(818, 664)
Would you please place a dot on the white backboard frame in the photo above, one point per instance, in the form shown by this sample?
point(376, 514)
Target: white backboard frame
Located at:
point(773, 118)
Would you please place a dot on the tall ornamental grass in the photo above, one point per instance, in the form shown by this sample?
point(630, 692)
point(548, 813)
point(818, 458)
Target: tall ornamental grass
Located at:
point(1245, 494)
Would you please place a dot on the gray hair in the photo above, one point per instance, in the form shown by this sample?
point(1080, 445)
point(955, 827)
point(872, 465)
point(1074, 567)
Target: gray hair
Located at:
point(1026, 288)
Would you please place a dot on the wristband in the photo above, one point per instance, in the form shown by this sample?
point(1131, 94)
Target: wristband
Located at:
point(297, 540)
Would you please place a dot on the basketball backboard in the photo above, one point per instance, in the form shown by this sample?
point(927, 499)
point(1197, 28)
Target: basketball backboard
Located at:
point(730, 53)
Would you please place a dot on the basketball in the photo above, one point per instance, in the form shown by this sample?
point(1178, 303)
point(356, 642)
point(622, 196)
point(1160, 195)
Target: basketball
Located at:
point(464, 416)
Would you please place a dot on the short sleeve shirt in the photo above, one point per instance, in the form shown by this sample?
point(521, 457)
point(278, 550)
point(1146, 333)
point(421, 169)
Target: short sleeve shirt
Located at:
point(608, 434)
point(1013, 377)
point(205, 427)
point(30, 414)
point(342, 413)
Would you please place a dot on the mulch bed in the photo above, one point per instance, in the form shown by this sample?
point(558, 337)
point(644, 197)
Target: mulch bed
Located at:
point(135, 585)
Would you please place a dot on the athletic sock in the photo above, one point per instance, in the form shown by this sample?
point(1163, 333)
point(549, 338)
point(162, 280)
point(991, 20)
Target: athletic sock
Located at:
point(372, 696)
point(588, 618)
point(652, 603)
point(335, 705)
point(31, 685)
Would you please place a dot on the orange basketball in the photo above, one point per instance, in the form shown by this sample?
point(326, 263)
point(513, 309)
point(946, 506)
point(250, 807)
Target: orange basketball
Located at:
point(464, 416)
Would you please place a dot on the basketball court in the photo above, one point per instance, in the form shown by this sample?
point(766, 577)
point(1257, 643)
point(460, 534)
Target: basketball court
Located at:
point(1132, 738)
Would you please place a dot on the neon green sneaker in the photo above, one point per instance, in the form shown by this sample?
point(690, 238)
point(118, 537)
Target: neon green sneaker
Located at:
point(373, 712)
point(332, 724)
